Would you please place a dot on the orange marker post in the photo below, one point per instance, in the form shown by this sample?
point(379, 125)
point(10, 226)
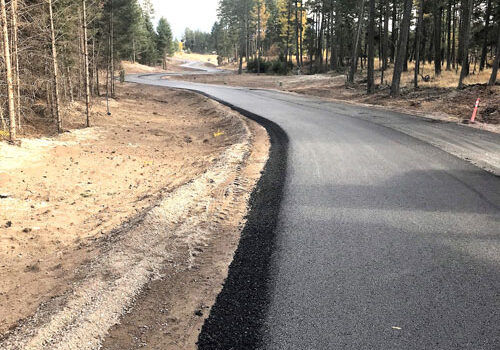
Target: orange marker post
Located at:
point(474, 114)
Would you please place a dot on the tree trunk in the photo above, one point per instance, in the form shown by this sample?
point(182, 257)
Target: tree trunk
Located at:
point(385, 46)
point(300, 36)
point(394, 33)
point(485, 41)
point(2, 119)
point(467, 11)
point(453, 43)
point(333, 51)
point(419, 40)
point(15, 56)
point(86, 60)
point(321, 40)
point(133, 50)
point(8, 68)
point(437, 12)
point(287, 49)
point(55, 77)
point(297, 34)
point(403, 42)
point(70, 82)
point(354, 57)
point(494, 72)
point(259, 5)
point(112, 53)
point(371, 49)
point(96, 71)
point(448, 24)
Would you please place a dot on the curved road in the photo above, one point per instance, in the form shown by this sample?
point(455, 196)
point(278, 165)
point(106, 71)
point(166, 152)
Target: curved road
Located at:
point(383, 240)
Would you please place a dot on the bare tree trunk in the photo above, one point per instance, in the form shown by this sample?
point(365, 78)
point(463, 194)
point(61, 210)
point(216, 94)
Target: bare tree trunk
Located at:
point(15, 56)
point(65, 88)
point(287, 50)
point(494, 72)
point(486, 32)
point(437, 13)
point(300, 36)
point(321, 39)
point(297, 53)
point(8, 67)
point(371, 49)
point(394, 31)
point(112, 56)
point(133, 50)
point(81, 63)
point(108, 70)
point(354, 57)
point(96, 70)
point(86, 59)
point(386, 35)
point(419, 42)
point(240, 66)
point(333, 49)
point(4, 124)
point(92, 68)
point(259, 6)
point(403, 41)
point(55, 77)
point(466, 33)
point(448, 25)
point(453, 42)
point(70, 82)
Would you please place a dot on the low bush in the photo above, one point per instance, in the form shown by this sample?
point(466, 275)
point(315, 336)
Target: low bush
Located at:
point(269, 66)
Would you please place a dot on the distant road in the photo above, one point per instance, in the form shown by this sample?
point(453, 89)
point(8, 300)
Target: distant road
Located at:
point(386, 239)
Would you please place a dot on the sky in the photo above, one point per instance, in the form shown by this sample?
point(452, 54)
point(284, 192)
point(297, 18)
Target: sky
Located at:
point(195, 14)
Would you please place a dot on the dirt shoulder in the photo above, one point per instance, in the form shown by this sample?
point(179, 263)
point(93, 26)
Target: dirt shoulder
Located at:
point(431, 100)
point(90, 217)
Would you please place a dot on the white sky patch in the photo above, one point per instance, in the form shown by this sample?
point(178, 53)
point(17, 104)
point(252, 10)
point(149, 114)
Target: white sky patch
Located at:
point(194, 14)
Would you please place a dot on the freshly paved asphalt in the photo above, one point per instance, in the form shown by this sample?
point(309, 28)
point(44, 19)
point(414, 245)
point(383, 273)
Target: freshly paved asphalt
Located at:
point(382, 240)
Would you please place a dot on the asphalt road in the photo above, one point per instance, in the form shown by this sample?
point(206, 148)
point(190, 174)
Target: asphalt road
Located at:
point(385, 238)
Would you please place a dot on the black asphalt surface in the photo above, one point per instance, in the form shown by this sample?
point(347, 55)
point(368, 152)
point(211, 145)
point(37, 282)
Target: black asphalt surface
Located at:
point(379, 240)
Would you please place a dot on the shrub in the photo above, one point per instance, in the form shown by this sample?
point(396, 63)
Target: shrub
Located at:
point(274, 66)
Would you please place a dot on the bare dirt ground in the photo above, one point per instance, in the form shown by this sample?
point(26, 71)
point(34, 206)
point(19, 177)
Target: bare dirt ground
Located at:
point(154, 194)
point(437, 98)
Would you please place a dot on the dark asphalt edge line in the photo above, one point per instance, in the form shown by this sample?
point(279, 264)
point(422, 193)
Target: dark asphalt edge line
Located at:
point(237, 318)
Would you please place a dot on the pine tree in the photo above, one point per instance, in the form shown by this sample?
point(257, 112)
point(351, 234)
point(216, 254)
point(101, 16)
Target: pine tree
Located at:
point(164, 41)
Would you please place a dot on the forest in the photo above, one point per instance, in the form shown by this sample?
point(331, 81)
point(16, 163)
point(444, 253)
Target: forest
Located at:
point(57, 51)
point(345, 35)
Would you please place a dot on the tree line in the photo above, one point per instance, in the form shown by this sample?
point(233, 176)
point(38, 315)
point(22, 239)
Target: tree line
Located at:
point(57, 51)
point(346, 35)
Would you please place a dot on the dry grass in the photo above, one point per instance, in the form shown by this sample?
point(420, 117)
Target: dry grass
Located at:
point(447, 79)
point(131, 68)
point(196, 57)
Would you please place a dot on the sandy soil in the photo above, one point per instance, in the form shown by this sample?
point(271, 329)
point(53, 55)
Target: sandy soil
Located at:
point(89, 217)
point(431, 100)
point(170, 311)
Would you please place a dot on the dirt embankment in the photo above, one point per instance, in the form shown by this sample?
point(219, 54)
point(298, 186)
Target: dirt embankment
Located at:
point(155, 192)
point(437, 98)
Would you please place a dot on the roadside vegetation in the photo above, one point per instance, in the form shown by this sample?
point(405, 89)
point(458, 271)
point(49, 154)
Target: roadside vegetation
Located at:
point(58, 53)
point(415, 52)
point(338, 35)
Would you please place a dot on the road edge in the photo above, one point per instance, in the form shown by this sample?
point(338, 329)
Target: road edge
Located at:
point(236, 319)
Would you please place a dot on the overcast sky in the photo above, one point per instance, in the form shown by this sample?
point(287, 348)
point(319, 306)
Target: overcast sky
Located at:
point(195, 14)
